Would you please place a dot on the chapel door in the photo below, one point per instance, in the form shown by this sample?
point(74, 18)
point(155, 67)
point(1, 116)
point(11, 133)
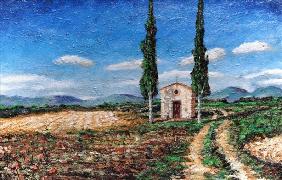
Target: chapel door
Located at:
point(176, 109)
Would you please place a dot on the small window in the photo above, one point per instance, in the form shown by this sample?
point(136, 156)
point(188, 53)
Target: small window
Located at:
point(176, 92)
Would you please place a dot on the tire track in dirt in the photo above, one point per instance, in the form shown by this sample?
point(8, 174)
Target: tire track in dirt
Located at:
point(243, 172)
point(196, 169)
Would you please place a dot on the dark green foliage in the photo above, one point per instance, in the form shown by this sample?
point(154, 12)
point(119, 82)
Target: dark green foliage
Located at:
point(149, 80)
point(167, 166)
point(210, 159)
point(8, 112)
point(87, 132)
point(265, 123)
point(199, 75)
point(190, 126)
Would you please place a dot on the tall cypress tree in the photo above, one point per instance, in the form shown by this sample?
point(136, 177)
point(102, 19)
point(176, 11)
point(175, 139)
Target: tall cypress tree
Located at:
point(199, 75)
point(149, 80)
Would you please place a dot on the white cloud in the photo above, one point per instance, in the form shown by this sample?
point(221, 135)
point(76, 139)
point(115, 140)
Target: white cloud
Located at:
point(248, 47)
point(217, 80)
point(87, 97)
point(266, 77)
point(13, 79)
point(31, 85)
point(177, 74)
point(265, 73)
point(187, 61)
point(174, 74)
point(214, 74)
point(74, 60)
point(214, 54)
point(129, 82)
point(271, 82)
point(126, 65)
point(229, 80)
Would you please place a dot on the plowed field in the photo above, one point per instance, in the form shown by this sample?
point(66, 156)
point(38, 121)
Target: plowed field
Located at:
point(62, 122)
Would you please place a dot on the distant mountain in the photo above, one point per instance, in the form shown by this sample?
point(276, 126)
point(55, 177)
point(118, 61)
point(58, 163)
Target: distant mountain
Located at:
point(121, 98)
point(267, 91)
point(18, 100)
point(115, 98)
point(230, 94)
point(63, 100)
point(67, 100)
point(234, 93)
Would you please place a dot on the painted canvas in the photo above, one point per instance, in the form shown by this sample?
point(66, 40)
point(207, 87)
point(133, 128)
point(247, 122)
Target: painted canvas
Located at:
point(140, 89)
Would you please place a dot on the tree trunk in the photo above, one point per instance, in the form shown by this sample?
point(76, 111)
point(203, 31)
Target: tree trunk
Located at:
point(150, 108)
point(199, 108)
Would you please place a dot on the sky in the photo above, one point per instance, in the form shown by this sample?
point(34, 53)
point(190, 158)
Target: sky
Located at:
point(90, 48)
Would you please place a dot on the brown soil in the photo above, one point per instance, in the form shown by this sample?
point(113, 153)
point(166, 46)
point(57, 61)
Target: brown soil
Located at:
point(62, 122)
point(196, 169)
point(222, 140)
point(268, 149)
point(104, 155)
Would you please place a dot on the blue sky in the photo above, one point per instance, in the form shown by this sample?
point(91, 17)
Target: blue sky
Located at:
point(91, 48)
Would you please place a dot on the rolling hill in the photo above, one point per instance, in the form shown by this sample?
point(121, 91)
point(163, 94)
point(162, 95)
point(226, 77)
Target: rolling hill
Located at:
point(267, 91)
point(230, 94)
point(234, 93)
point(67, 100)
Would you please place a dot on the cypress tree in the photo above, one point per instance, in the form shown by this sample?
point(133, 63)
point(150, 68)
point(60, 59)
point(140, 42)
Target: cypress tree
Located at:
point(199, 74)
point(149, 80)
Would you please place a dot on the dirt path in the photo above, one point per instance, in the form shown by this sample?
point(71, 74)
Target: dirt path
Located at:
point(224, 112)
point(222, 140)
point(196, 169)
point(268, 149)
point(62, 122)
point(216, 115)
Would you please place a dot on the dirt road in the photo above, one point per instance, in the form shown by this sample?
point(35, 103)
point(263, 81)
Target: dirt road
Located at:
point(62, 122)
point(222, 139)
point(196, 169)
